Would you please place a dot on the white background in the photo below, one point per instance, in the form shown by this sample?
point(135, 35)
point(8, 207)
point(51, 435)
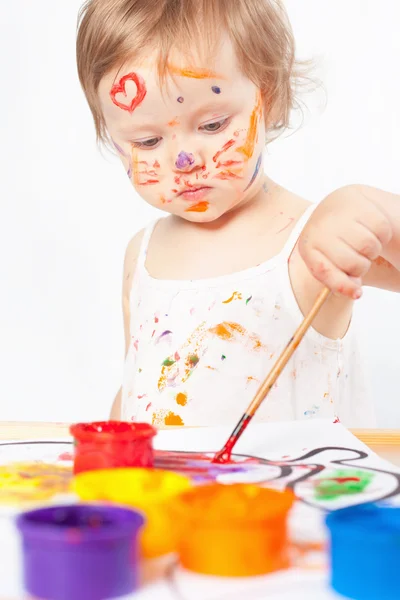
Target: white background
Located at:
point(67, 212)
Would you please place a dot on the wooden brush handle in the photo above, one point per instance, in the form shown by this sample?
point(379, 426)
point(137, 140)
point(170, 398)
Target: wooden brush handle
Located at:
point(284, 358)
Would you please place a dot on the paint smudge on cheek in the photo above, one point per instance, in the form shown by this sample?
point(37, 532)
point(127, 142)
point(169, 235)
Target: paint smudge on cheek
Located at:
point(135, 167)
point(227, 175)
point(156, 164)
point(180, 99)
point(119, 149)
point(248, 148)
point(199, 207)
point(229, 163)
point(120, 88)
point(135, 172)
point(256, 171)
point(224, 148)
point(173, 123)
point(216, 89)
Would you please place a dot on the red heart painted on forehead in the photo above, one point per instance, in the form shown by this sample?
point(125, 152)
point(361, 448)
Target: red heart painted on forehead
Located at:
point(119, 88)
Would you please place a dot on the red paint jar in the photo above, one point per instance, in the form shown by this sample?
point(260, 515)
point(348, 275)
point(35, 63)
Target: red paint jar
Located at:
point(110, 444)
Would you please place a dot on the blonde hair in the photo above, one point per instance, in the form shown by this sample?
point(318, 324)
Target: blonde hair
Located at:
point(113, 32)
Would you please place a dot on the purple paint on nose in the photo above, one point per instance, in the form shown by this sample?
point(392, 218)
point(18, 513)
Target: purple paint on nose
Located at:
point(184, 160)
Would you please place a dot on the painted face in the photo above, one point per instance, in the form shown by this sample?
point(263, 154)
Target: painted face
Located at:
point(195, 147)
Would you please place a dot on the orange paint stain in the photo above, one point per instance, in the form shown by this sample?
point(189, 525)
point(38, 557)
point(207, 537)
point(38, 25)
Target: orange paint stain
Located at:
point(156, 164)
point(250, 379)
point(248, 148)
point(225, 175)
point(173, 123)
point(173, 419)
point(177, 179)
point(164, 417)
point(382, 262)
point(181, 399)
point(224, 148)
point(135, 166)
point(235, 296)
point(229, 163)
point(151, 173)
point(199, 207)
point(149, 182)
point(229, 332)
point(224, 330)
point(194, 73)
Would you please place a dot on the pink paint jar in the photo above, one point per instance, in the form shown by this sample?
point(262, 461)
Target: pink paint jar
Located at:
point(111, 444)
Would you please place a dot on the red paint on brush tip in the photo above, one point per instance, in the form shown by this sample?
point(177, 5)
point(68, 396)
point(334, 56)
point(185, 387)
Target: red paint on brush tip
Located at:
point(224, 455)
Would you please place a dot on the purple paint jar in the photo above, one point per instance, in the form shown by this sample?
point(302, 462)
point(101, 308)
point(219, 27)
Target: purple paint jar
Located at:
point(80, 551)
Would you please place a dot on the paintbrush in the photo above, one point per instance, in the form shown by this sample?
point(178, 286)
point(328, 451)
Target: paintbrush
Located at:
point(224, 454)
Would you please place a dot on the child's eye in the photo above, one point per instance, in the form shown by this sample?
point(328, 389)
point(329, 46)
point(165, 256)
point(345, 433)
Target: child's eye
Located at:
point(150, 143)
point(215, 126)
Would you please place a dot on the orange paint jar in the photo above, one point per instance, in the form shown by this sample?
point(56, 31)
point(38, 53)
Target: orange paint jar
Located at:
point(151, 491)
point(234, 530)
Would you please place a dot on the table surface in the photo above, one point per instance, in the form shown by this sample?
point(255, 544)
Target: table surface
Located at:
point(385, 442)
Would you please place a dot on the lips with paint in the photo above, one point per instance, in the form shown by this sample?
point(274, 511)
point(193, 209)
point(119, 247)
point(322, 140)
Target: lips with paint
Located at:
point(195, 194)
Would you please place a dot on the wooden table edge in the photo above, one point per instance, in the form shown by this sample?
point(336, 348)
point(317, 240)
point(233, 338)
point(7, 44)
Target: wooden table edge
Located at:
point(17, 430)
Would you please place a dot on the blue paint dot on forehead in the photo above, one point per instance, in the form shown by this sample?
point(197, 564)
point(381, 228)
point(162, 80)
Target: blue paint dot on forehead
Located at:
point(216, 89)
point(180, 99)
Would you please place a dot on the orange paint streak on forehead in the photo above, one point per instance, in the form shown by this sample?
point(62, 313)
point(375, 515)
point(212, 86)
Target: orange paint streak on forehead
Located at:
point(194, 73)
point(248, 148)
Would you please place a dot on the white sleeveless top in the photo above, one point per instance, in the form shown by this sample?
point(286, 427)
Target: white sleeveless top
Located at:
point(200, 349)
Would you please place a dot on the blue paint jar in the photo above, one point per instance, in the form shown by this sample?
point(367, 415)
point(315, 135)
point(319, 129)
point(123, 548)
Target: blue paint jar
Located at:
point(365, 551)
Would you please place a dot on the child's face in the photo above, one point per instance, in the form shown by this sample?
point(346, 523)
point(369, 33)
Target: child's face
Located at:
point(195, 147)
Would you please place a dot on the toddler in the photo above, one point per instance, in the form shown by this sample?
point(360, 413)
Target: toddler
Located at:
point(188, 93)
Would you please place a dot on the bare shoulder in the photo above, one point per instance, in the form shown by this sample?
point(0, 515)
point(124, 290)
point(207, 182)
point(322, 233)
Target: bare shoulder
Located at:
point(130, 260)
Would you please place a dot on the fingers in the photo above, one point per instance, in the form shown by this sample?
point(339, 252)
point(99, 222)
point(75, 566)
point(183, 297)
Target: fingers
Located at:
point(332, 276)
point(363, 241)
point(377, 223)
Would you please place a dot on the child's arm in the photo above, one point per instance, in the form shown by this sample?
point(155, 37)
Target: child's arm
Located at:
point(131, 256)
point(353, 239)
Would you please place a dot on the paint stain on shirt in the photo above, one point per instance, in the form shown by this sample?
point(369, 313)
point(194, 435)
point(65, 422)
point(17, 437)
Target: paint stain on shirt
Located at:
point(181, 399)
point(235, 296)
point(233, 331)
